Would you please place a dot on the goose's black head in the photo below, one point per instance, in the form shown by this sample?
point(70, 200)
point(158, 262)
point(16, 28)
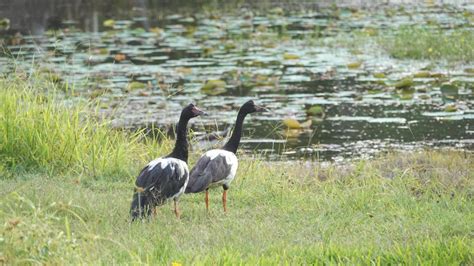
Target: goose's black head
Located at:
point(191, 111)
point(250, 107)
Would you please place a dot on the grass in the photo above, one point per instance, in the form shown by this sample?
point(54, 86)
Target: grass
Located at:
point(38, 131)
point(66, 185)
point(400, 208)
point(434, 44)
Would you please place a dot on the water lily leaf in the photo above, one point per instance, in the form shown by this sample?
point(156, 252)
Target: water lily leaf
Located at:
point(354, 65)
point(379, 75)
point(109, 23)
point(4, 24)
point(315, 110)
point(450, 89)
point(437, 75)
point(450, 108)
point(422, 74)
point(214, 87)
point(288, 56)
point(291, 123)
point(469, 70)
point(294, 124)
point(135, 85)
point(404, 83)
point(374, 91)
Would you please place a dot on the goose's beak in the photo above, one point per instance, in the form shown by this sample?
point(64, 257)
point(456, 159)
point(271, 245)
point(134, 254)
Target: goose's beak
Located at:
point(259, 108)
point(198, 111)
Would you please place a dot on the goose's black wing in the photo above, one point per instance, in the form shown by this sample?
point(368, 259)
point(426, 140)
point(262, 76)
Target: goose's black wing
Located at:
point(208, 170)
point(163, 179)
point(160, 180)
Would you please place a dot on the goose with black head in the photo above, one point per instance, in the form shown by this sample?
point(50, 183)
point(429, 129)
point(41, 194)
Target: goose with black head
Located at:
point(218, 167)
point(165, 178)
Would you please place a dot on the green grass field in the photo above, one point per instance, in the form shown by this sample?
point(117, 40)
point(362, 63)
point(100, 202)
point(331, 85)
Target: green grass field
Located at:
point(66, 184)
point(397, 209)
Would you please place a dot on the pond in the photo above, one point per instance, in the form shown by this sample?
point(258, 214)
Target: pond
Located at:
point(332, 90)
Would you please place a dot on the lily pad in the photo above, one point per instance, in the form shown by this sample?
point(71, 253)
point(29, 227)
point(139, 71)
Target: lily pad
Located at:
point(469, 70)
point(135, 85)
point(404, 83)
point(4, 24)
point(450, 108)
point(315, 110)
point(291, 123)
point(354, 65)
point(288, 56)
point(214, 87)
point(294, 124)
point(109, 23)
point(379, 75)
point(422, 74)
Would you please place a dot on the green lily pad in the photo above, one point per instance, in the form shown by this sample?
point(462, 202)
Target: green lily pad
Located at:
point(214, 87)
point(354, 65)
point(288, 56)
point(374, 91)
point(135, 85)
point(422, 74)
point(315, 110)
point(379, 75)
point(404, 83)
point(4, 24)
point(469, 70)
point(450, 108)
point(109, 23)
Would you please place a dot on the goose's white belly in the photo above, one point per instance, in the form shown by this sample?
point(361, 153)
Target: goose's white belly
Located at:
point(231, 161)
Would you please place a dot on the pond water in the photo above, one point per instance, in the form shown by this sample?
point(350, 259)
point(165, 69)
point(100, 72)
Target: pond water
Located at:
point(317, 68)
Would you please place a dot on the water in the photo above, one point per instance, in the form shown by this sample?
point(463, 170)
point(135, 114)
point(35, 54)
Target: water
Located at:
point(143, 60)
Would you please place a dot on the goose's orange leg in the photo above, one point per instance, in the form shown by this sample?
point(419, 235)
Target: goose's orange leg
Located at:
point(207, 199)
point(176, 210)
point(224, 200)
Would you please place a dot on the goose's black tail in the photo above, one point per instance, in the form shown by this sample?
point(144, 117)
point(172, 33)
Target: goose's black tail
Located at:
point(141, 207)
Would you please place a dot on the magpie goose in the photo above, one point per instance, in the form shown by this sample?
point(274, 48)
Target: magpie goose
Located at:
point(165, 178)
point(218, 167)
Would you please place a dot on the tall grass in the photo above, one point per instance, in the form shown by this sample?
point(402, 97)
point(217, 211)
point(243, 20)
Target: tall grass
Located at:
point(40, 132)
point(427, 43)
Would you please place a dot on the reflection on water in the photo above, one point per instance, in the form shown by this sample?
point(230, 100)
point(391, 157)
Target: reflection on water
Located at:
point(155, 56)
point(36, 16)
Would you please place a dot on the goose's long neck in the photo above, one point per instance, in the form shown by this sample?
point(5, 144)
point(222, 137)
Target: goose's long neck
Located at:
point(180, 150)
point(234, 140)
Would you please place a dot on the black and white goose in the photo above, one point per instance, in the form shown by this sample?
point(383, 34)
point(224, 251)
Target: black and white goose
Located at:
point(218, 167)
point(165, 178)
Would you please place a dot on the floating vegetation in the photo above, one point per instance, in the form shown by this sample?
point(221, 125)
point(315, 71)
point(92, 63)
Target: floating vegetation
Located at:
point(214, 87)
point(348, 73)
point(404, 83)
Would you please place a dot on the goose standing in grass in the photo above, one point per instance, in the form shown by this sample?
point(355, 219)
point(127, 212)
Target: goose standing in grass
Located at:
point(218, 167)
point(165, 178)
